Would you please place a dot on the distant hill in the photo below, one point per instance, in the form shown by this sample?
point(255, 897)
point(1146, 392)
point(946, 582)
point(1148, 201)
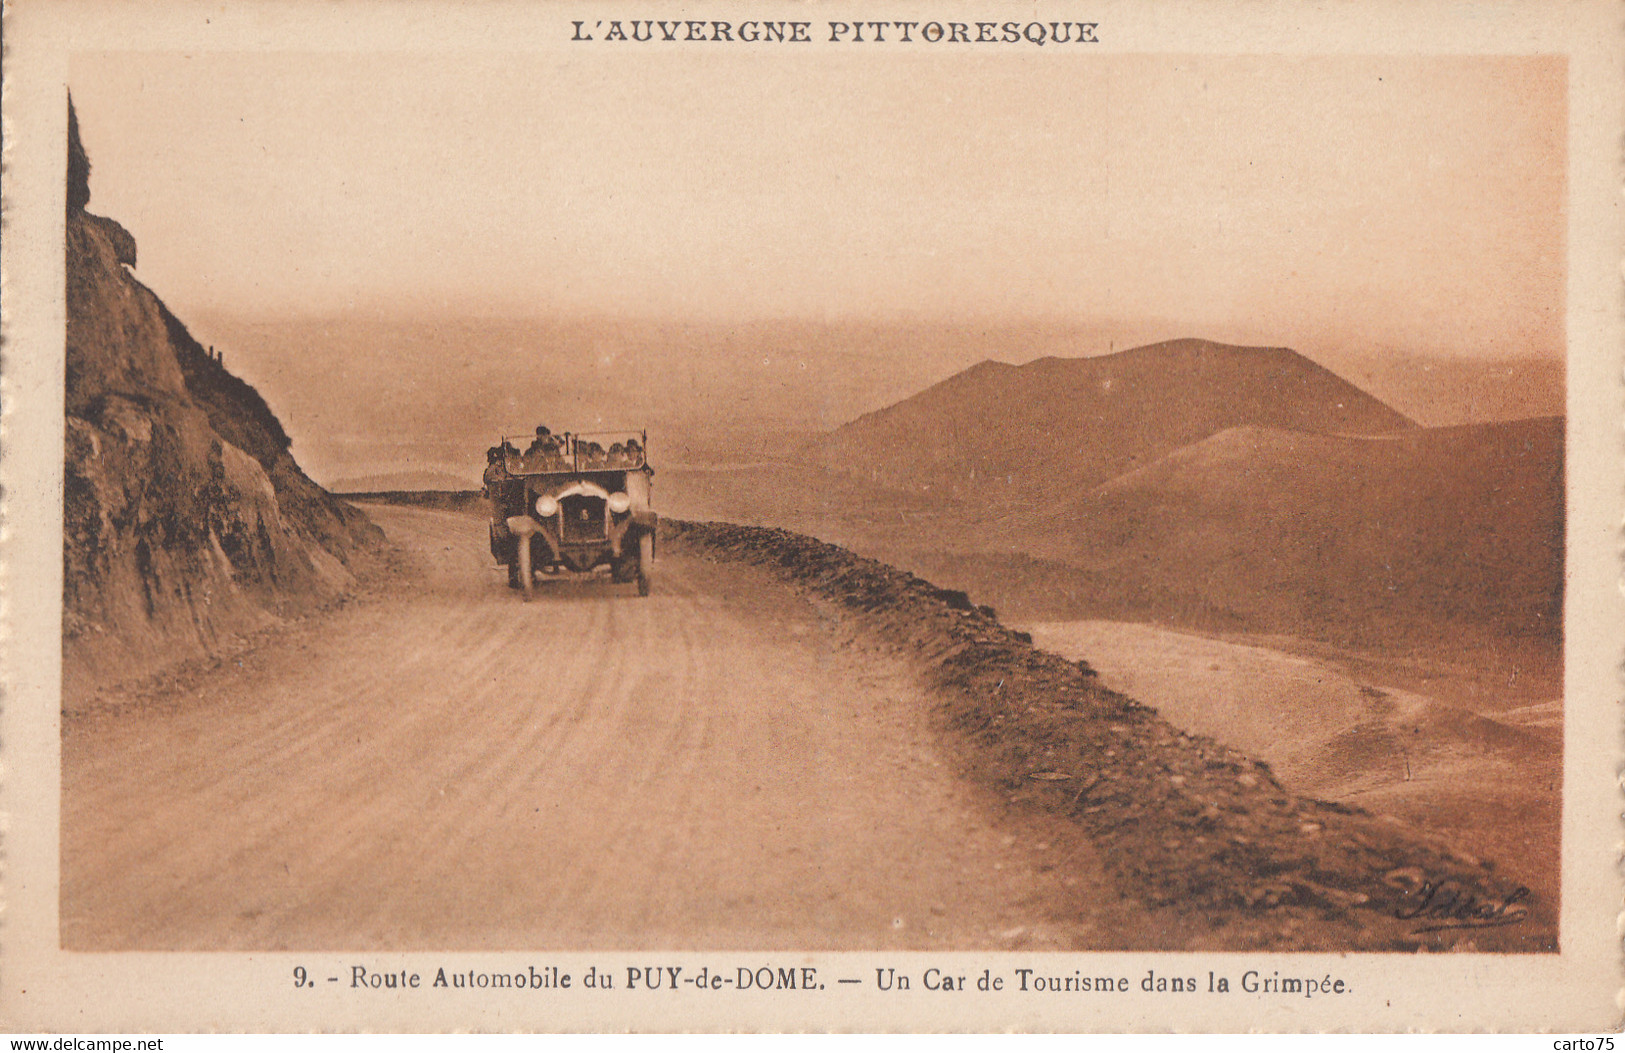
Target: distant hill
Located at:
point(1286, 530)
point(1208, 486)
point(392, 481)
point(1055, 427)
point(1441, 391)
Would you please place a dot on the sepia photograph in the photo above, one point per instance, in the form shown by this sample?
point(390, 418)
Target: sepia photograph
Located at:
point(808, 486)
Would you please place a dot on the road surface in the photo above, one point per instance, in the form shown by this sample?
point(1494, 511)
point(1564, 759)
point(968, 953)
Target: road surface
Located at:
point(440, 766)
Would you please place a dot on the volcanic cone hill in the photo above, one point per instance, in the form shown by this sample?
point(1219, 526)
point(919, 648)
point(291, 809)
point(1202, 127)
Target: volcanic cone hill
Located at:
point(185, 517)
point(1057, 426)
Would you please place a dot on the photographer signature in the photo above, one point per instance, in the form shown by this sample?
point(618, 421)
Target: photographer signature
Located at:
point(1445, 905)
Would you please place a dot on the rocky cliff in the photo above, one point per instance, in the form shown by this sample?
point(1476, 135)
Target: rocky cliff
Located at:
point(186, 520)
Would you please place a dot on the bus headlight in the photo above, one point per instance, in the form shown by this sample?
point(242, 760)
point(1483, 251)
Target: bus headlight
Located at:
point(619, 502)
point(547, 506)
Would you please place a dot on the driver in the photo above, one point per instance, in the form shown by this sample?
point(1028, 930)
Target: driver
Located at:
point(543, 441)
point(496, 475)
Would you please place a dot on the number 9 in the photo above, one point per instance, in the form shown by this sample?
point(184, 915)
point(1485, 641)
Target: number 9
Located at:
point(299, 976)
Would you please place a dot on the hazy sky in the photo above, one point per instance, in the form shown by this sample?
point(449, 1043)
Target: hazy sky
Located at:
point(1409, 202)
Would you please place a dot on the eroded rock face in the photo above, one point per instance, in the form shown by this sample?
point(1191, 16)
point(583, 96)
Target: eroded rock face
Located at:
point(186, 521)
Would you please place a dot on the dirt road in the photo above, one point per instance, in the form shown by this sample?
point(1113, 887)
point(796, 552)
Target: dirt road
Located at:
point(443, 767)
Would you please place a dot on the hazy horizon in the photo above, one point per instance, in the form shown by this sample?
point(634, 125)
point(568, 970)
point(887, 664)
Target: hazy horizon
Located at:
point(709, 392)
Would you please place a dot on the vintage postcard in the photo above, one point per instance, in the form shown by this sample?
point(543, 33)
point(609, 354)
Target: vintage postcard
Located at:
point(811, 516)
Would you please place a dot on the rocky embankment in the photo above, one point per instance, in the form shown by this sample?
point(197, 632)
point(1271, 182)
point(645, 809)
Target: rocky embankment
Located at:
point(1183, 822)
point(186, 521)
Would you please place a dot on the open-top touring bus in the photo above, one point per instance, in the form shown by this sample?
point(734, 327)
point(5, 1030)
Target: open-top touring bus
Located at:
point(574, 503)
